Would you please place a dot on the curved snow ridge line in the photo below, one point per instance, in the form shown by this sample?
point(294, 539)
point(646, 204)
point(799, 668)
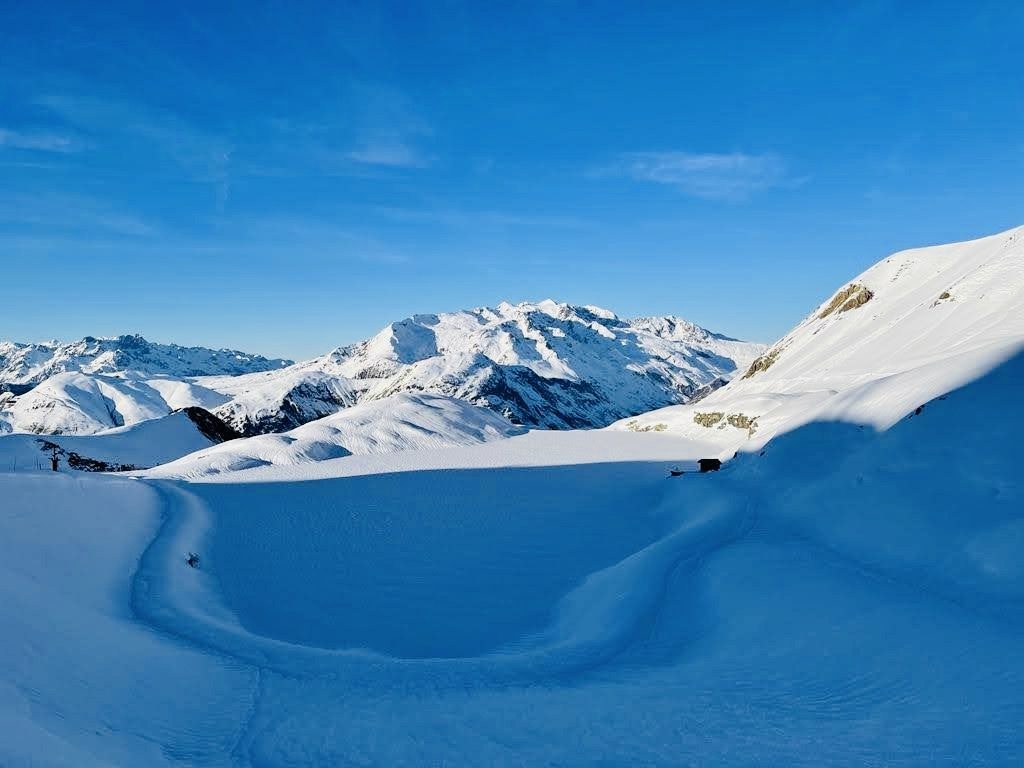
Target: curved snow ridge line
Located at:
point(592, 623)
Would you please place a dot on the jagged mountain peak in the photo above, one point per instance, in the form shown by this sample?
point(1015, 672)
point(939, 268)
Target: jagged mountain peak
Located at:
point(541, 364)
point(544, 364)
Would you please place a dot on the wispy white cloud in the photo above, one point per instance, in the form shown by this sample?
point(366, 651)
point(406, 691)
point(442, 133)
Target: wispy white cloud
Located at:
point(40, 141)
point(712, 176)
point(162, 140)
point(316, 238)
point(135, 127)
point(388, 128)
point(63, 214)
point(477, 219)
point(390, 154)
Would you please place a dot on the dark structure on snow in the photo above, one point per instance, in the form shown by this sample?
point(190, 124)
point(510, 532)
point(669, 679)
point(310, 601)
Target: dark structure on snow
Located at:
point(709, 465)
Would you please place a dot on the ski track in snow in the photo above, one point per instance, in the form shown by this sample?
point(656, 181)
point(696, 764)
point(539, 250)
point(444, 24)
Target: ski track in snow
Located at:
point(619, 633)
point(730, 623)
point(188, 606)
point(183, 605)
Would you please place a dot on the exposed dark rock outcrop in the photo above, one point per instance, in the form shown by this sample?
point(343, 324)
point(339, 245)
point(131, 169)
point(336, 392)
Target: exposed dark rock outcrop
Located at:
point(712, 386)
point(764, 362)
point(851, 297)
point(741, 420)
point(209, 425)
point(708, 419)
point(84, 463)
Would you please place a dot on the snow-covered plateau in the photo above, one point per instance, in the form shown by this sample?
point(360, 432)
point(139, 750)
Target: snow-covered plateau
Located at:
point(411, 579)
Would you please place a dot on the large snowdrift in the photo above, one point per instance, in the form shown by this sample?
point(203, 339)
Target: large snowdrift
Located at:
point(400, 423)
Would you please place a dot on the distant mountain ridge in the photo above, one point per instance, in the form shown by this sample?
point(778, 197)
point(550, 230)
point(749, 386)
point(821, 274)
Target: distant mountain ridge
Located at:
point(546, 364)
point(26, 364)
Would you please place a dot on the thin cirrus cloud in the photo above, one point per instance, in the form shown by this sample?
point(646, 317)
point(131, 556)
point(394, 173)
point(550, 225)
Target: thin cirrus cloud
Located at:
point(390, 155)
point(64, 215)
point(712, 176)
point(39, 141)
point(389, 129)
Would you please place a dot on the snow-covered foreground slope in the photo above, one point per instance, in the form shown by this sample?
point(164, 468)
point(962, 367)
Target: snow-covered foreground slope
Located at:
point(142, 445)
point(910, 328)
point(399, 423)
point(913, 326)
point(851, 597)
point(543, 365)
point(82, 682)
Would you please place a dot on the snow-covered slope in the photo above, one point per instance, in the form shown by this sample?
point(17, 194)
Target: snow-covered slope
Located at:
point(141, 445)
point(850, 598)
point(77, 403)
point(33, 363)
point(543, 365)
point(82, 404)
point(403, 422)
point(915, 325)
point(275, 401)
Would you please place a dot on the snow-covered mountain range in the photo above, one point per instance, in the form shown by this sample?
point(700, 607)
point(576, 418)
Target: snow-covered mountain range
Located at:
point(548, 365)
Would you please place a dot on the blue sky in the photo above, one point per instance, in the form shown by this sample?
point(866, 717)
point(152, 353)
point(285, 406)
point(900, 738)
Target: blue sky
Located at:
point(285, 181)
